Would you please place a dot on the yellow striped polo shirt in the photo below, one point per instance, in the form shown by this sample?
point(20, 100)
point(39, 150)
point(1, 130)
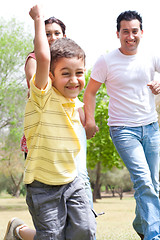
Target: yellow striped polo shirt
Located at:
point(51, 140)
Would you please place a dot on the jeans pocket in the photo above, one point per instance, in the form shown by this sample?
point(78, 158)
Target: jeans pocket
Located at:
point(155, 126)
point(114, 131)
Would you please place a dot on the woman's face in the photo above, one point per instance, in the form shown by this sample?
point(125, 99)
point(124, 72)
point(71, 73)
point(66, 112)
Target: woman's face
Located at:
point(53, 32)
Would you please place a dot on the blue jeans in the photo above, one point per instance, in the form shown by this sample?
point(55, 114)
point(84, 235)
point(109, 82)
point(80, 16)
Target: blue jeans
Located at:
point(139, 149)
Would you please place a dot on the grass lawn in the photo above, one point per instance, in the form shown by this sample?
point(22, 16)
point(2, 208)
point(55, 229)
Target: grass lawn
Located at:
point(116, 223)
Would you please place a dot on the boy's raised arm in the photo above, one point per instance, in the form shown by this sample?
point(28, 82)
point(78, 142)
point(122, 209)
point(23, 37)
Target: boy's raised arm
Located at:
point(41, 46)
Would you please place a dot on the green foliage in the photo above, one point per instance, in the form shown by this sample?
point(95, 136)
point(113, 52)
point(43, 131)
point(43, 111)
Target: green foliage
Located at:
point(113, 179)
point(22, 190)
point(4, 182)
point(118, 178)
point(100, 148)
point(87, 77)
point(101, 153)
point(15, 44)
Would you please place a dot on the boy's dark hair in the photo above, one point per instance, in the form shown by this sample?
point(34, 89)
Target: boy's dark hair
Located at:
point(56, 20)
point(128, 16)
point(65, 48)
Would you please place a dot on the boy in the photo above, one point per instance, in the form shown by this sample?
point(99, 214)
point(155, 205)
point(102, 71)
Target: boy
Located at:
point(55, 195)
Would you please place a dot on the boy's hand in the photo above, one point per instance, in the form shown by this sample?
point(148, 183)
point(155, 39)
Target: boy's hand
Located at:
point(91, 130)
point(154, 86)
point(36, 12)
point(41, 48)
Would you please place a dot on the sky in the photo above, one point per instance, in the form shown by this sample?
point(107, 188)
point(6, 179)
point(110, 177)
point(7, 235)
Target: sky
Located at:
point(91, 23)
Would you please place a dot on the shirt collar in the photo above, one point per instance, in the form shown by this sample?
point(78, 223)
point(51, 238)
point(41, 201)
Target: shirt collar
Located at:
point(66, 102)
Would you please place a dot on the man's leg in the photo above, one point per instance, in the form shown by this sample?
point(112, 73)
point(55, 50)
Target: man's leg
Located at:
point(128, 142)
point(151, 141)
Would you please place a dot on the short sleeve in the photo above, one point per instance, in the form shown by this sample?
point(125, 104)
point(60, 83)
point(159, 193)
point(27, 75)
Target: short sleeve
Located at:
point(40, 96)
point(99, 71)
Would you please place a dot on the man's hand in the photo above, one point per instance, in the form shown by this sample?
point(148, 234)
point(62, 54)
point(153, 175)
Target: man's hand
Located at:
point(154, 86)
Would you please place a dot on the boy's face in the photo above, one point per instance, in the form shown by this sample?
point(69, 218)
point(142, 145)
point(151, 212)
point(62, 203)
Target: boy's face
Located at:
point(69, 78)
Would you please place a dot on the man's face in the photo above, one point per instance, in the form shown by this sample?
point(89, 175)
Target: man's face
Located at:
point(129, 35)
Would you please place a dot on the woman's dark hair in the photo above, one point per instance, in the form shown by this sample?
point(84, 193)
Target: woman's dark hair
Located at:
point(55, 20)
point(128, 16)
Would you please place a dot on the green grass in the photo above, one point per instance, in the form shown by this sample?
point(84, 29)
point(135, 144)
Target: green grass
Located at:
point(116, 223)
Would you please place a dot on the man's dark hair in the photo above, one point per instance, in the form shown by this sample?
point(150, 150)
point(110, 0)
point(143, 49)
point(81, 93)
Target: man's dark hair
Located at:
point(128, 16)
point(65, 48)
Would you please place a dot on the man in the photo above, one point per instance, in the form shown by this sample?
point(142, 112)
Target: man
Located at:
point(128, 73)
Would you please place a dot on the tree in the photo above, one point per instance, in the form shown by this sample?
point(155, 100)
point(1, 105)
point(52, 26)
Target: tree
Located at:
point(15, 43)
point(101, 153)
point(118, 181)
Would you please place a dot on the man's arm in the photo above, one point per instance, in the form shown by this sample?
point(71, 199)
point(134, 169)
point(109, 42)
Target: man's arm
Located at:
point(89, 107)
point(41, 47)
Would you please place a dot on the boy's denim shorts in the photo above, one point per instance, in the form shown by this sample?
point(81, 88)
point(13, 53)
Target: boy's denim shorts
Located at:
point(61, 212)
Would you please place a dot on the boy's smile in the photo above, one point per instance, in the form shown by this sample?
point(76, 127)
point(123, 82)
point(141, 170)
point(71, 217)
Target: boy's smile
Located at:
point(69, 78)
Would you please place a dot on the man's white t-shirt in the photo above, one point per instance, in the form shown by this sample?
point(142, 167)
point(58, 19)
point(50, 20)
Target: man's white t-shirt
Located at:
point(126, 77)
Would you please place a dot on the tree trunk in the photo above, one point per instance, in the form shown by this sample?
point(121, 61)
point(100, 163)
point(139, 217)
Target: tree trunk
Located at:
point(16, 192)
point(120, 192)
point(99, 192)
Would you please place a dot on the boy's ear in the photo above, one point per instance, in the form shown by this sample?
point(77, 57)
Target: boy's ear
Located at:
point(51, 76)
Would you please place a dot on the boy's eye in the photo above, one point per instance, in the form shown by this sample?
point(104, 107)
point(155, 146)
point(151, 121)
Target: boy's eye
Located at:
point(80, 73)
point(65, 73)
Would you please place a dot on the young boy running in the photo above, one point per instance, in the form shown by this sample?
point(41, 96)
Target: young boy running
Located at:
point(55, 195)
